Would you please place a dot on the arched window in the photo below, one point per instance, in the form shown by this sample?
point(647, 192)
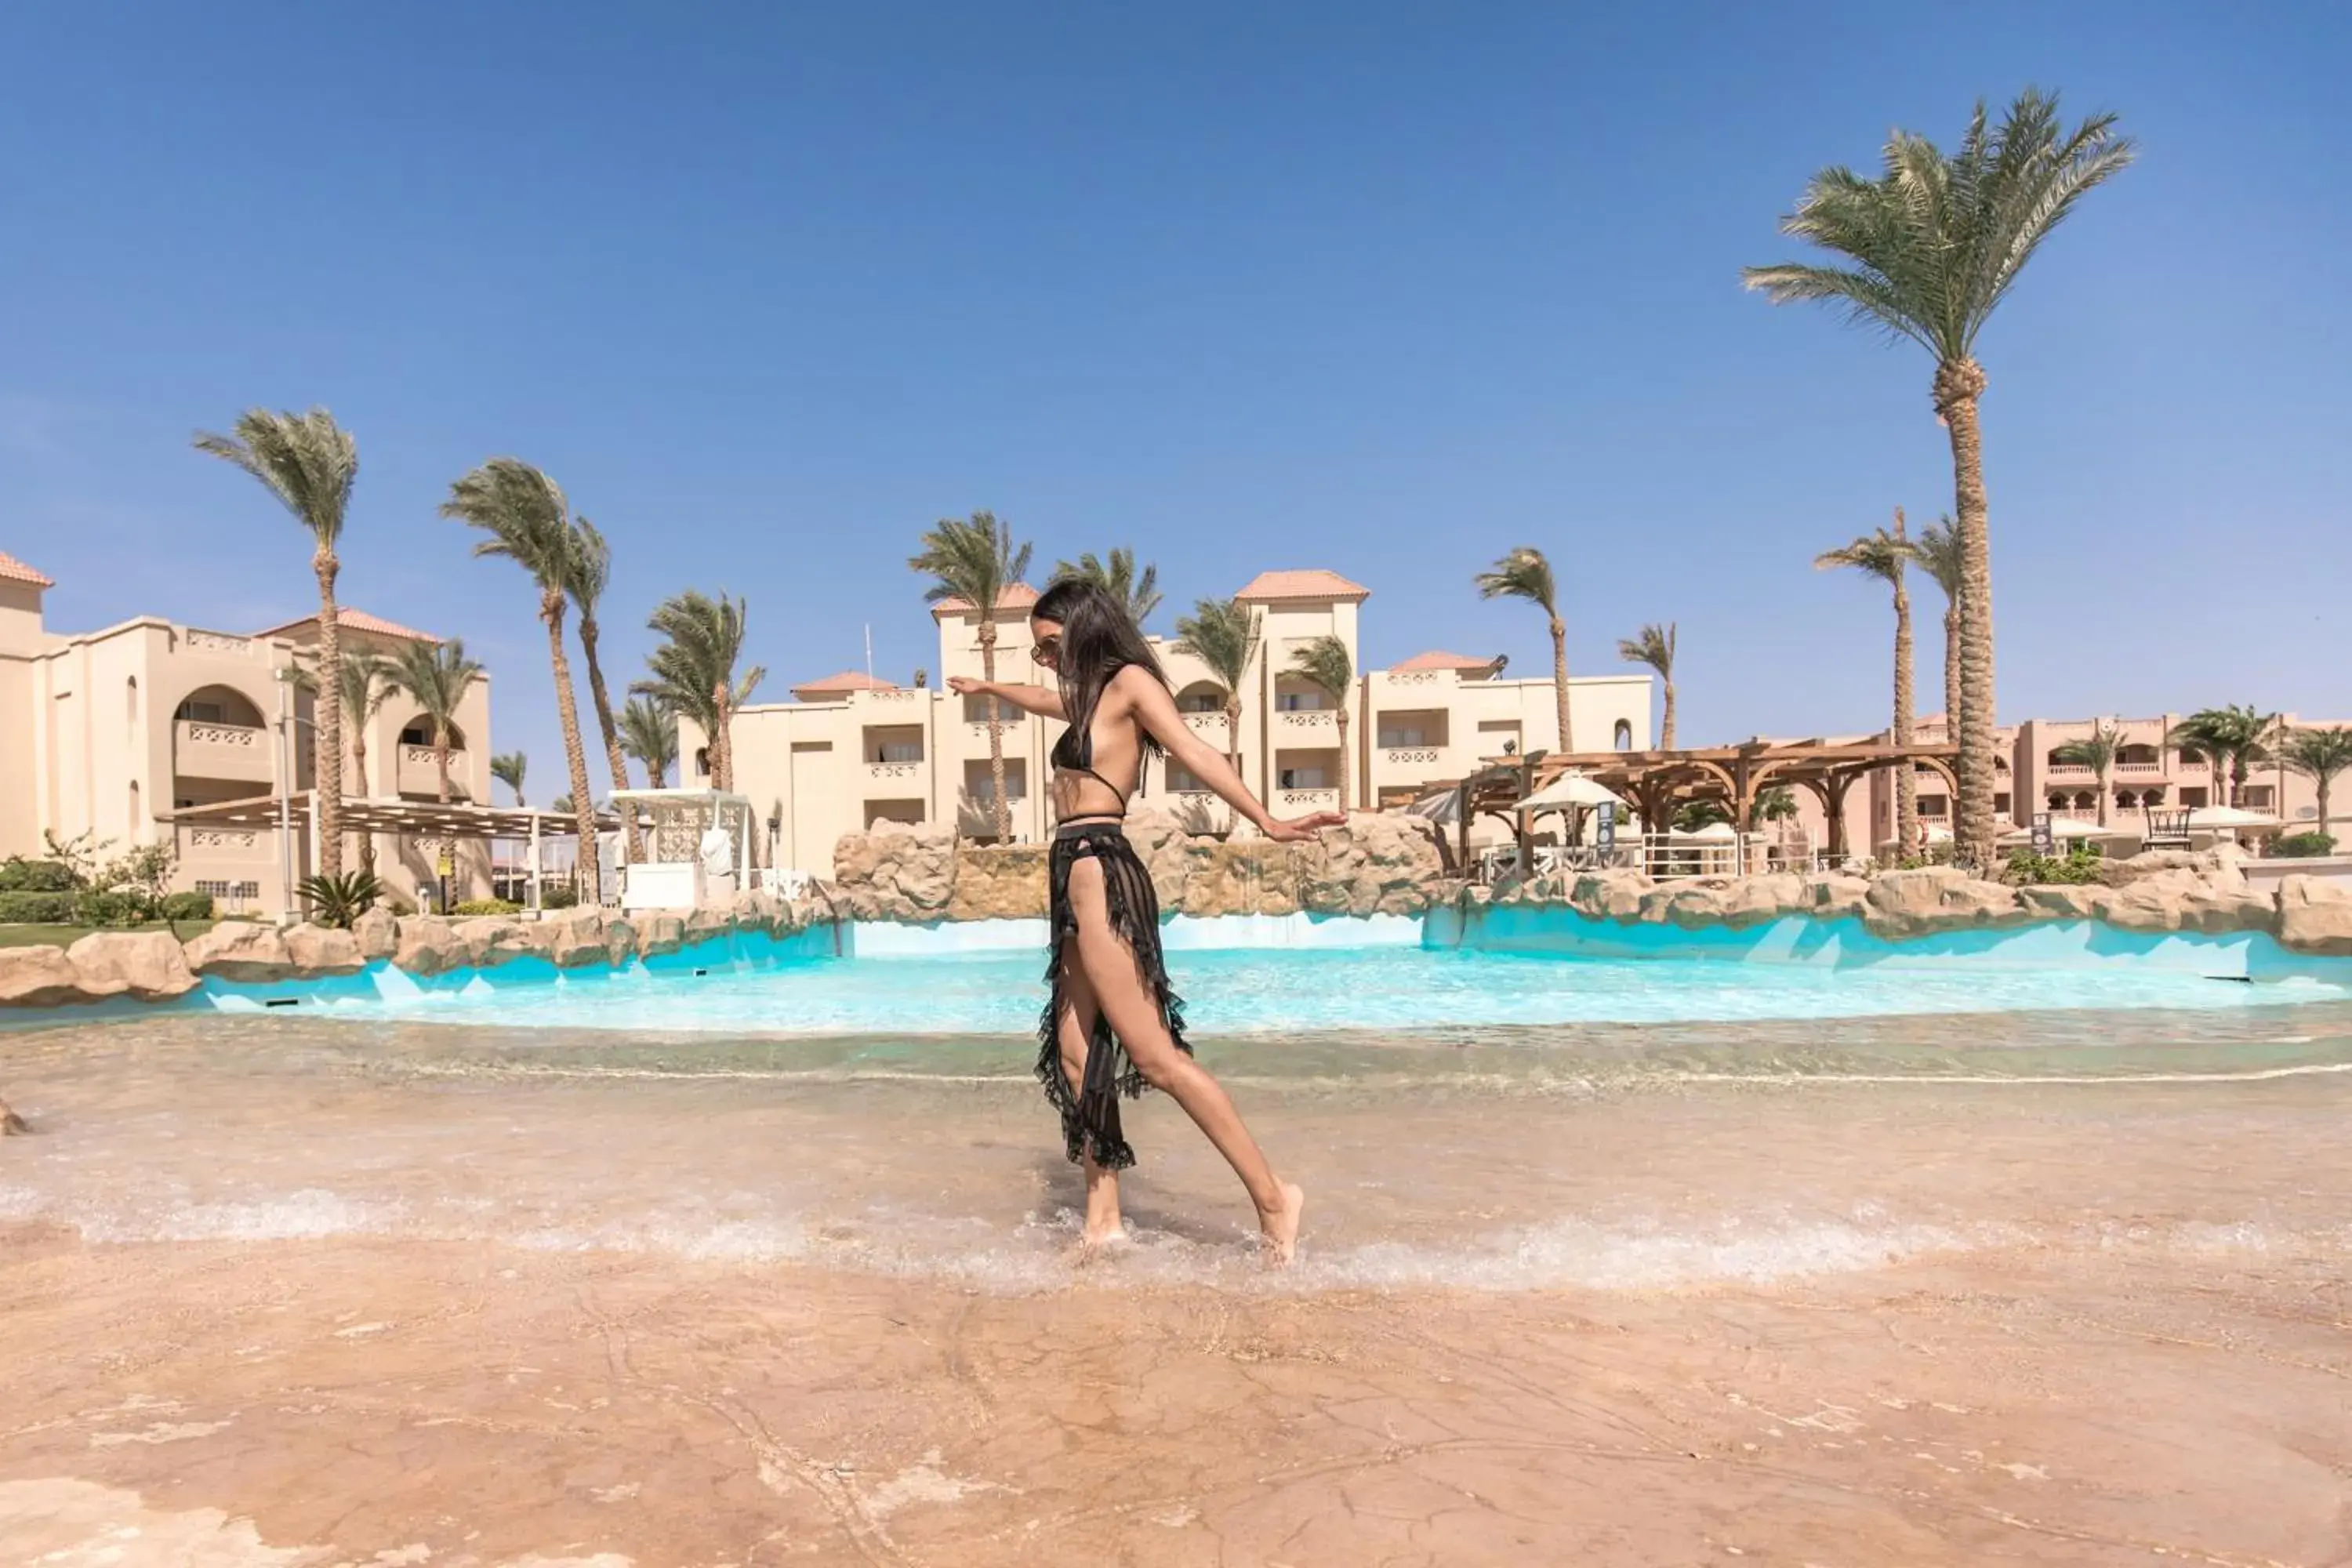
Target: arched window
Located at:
point(703, 761)
point(2085, 800)
point(1622, 739)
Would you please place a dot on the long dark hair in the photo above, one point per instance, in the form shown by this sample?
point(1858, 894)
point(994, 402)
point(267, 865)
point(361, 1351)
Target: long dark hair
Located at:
point(1099, 639)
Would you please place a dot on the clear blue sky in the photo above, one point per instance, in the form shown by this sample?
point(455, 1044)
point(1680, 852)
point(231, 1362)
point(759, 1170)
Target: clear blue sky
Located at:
point(1381, 288)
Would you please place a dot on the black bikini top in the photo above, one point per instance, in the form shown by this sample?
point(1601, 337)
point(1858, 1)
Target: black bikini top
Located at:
point(1075, 754)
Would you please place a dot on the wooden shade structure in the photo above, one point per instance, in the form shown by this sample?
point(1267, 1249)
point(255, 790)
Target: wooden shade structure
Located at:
point(1660, 784)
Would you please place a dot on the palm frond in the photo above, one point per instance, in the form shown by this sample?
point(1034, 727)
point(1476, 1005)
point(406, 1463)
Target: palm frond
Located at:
point(972, 558)
point(649, 734)
point(1654, 647)
point(1878, 553)
point(436, 677)
point(1937, 549)
point(525, 517)
point(509, 768)
point(588, 567)
point(364, 680)
point(1223, 634)
point(1523, 573)
point(306, 460)
point(1325, 660)
point(1139, 591)
point(2316, 754)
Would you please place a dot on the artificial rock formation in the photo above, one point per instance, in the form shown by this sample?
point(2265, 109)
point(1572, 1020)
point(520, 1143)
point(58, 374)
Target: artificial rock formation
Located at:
point(144, 965)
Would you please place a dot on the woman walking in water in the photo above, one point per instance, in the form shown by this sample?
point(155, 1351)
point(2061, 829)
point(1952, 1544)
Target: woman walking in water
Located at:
point(1112, 1024)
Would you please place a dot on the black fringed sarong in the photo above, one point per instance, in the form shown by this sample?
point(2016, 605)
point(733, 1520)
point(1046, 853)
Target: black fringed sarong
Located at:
point(1090, 1112)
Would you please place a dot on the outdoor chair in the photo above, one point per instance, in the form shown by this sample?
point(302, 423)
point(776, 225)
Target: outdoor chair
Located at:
point(2166, 830)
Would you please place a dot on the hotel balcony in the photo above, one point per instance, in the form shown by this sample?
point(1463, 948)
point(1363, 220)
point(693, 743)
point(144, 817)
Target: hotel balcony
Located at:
point(1293, 802)
point(241, 752)
point(203, 849)
point(1305, 727)
point(419, 775)
point(1210, 727)
point(908, 774)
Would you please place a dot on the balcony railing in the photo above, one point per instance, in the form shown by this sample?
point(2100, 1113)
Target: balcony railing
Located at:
point(203, 847)
point(2070, 770)
point(1208, 726)
point(198, 641)
point(885, 771)
point(1295, 800)
point(1409, 756)
point(2140, 768)
point(420, 774)
point(200, 749)
point(1294, 723)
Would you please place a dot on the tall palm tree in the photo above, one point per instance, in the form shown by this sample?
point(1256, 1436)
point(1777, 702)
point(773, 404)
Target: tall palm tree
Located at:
point(976, 560)
point(509, 768)
point(1139, 591)
point(1223, 634)
point(591, 574)
point(363, 680)
point(2233, 740)
point(649, 734)
point(1325, 661)
point(527, 520)
point(310, 463)
point(2318, 755)
point(2096, 753)
point(1524, 573)
point(1883, 553)
point(435, 676)
point(1655, 648)
point(1936, 242)
point(693, 670)
point(1937, 549)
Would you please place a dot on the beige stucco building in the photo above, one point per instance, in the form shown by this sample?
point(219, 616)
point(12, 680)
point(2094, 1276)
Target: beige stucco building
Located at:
point(849, 750)
point(111, 731)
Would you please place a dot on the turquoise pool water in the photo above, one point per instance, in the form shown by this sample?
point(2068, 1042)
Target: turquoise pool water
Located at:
point(1270, 991)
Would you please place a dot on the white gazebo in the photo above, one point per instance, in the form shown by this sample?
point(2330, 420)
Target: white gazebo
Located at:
point(698, 848)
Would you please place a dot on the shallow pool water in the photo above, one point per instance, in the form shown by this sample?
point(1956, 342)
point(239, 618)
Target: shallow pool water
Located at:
point(1275, 991)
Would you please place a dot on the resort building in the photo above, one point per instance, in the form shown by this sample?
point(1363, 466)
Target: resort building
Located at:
point(110, 733)
point(850, 750)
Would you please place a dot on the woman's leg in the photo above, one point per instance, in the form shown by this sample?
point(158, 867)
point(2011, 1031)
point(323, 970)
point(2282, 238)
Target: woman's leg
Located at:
point(1134, 1013)
point(1072, 1030)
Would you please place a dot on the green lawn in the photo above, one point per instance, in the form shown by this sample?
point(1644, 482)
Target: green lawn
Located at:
point(65, 936)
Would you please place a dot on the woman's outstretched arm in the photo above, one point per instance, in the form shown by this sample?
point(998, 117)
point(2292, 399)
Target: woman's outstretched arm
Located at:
point(1043, 700)
point(1155, 710)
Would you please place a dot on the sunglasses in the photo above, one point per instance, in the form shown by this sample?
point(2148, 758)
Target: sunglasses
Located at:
point(1047, 651)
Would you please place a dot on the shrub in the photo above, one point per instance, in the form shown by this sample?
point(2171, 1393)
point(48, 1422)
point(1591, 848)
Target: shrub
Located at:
point(484, 907)
point(398, 907)
point(2078, 866)
point(18, 875)
point(30, 908)
point(336, 902)
point(2303, 846)
point(113, 907)
point(559, 898)
point(188, 907)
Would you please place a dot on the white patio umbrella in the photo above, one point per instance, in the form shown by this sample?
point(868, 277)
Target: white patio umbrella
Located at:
point(2067, 828)
point(1570, 790)
point(1713, 832)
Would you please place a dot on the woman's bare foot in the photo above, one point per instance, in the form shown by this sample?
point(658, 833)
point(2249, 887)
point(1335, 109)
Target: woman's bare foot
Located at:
point(1279, 1227)
point(1095, 1242)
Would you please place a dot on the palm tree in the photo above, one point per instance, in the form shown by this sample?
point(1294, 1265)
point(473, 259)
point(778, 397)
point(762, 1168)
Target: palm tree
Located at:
point(1325, 661)
point(2096, 753)
point(1883, 553)
point(1655, 648)
point(1936, 242)
point(649, 734)
point(1937, 549)
point(693, 670)
point(1524, 573)
point(1776, 803)
point(529, 522)
point(2232, 739)
point(976, 560)
point(509, 768)
point(310, 463)
point(2319, 755)
point(1140, 592)
point(363, 680)
point(1223, 634)
point(591, 572)
point(435, 676)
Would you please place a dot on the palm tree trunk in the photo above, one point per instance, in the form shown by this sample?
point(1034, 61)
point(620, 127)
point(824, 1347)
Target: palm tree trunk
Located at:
point(1951, 672)
point(327, 740)
point(1666, 739)
point(995, 732)
point(359, 769)
point(1340, 718)
point(1958, 384)
point(723, 736)
point(441, 760)
point(1234, 728)
point(2105, 795)
point(1560, 679)
point(1906, 776)
point(613, 755)
point(575, 756)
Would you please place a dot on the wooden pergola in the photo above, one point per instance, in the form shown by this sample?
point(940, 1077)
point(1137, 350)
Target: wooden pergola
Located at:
point(1660, 784)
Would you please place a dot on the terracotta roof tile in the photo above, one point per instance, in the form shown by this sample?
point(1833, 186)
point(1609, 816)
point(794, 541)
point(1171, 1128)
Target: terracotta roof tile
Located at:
point(1437, 660)
point(15, 570)
point(848, 681)
point(355, 620)
point(1019, 596)
point(1312, 583)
